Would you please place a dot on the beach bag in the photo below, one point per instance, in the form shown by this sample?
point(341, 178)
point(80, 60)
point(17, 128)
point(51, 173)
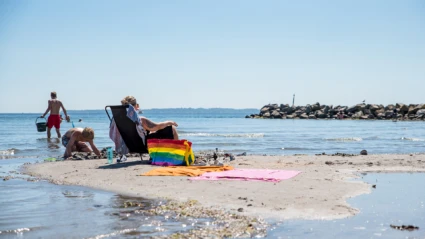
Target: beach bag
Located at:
point(169, 152)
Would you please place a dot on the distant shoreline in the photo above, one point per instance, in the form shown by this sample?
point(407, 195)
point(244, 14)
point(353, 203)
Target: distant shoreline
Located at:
point(151, 109)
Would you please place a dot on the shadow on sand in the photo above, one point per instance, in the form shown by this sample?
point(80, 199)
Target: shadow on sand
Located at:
point(125, 164)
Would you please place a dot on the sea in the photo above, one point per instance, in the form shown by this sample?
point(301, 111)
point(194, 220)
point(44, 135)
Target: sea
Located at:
point(43, 210)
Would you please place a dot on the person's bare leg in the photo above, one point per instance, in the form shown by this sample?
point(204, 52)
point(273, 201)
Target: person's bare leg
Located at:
point(58, 132)
point(48, 132)
point(175, 134)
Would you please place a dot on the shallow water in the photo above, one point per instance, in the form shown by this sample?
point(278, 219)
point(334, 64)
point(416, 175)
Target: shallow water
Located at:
point(53, 211)
point(44, 210)
point(399, 199)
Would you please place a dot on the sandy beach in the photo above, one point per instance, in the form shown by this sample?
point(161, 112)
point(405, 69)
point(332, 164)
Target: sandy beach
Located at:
point(319, 192)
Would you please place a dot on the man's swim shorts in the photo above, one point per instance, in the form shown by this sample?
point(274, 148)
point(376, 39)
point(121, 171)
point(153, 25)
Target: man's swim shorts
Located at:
point(54, 120)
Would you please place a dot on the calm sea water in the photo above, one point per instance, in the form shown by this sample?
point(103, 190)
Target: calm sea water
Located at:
point(229, 131)
point(43, 210)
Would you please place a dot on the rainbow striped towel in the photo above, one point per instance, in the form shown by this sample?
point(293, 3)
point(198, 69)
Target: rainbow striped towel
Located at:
point(169, 152)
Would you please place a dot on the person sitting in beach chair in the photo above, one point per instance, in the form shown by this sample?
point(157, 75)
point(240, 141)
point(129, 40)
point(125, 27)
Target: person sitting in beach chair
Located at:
point(75, 140)
point(130, 133)
point(161, 130)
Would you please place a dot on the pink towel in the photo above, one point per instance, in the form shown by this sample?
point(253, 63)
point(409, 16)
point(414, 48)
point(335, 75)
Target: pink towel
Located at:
point(268, 175)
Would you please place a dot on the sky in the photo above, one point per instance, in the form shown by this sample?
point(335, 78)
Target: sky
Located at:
point(212, 53)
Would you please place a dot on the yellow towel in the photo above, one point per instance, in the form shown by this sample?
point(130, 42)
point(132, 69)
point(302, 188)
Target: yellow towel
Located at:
point(191, 171)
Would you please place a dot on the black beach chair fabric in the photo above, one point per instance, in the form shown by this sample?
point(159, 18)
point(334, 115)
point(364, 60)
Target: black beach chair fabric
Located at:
point(127, 129)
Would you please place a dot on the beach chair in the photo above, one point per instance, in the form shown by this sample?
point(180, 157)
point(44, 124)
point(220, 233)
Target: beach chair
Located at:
point(127, 129)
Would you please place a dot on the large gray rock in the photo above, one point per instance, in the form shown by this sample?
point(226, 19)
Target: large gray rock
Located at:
point(283, 106)
point(289, 116)
point(299, 112)
point(420, 113)
point(380, 115)
point(367, 111)
point(320, 114)
point(420, 107)
point(266, 115)
point(412, 109)
point(377, 112)
point(276, 114)
point(264, 110)
point(358, 114)
point(290, 110)
point(312, 117)
point(304, 116)
point(315, 106)
point(388, 114)
point(326, 109)
point(402, 108)
point(307, 109)
point(352, 109)
point(389, 107)
point(333, 111)
point(274, 106)
point(287, 110)
point(374, 108)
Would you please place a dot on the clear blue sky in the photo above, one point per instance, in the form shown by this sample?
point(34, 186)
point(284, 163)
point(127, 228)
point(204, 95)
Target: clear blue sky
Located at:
point(221, 53)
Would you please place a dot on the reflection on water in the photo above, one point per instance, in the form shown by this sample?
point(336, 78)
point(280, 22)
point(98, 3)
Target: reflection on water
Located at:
point(399, 198)
point(53, 143)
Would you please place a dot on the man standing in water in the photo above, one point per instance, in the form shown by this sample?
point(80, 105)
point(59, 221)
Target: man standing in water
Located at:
point(54, 119)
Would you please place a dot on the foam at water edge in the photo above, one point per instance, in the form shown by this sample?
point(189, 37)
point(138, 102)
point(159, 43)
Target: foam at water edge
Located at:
point(7, 152)
point(116, 233)
point(412, 139)
point(19, 230)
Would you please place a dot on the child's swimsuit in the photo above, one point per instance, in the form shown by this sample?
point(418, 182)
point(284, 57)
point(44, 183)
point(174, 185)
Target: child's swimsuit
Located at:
point(65, 140)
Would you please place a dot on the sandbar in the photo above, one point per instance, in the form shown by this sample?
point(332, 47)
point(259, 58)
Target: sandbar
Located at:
point(319, 192)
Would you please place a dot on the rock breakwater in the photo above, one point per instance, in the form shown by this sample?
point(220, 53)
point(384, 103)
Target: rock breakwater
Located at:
point(363, 111)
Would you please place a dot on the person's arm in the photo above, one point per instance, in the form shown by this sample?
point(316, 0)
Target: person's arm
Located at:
point(152, 126)
point(64, 111)
point(47, 110)
point(71, 142)
point(94, 148)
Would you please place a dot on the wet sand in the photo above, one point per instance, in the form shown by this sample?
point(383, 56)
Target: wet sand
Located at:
point(319, 192)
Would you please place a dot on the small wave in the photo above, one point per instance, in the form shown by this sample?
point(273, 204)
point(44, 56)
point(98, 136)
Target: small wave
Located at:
point(17, 231)
point(116, 233)
point(254, 135)
point(412, 139)
point(7, 152)
point(354, 139)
